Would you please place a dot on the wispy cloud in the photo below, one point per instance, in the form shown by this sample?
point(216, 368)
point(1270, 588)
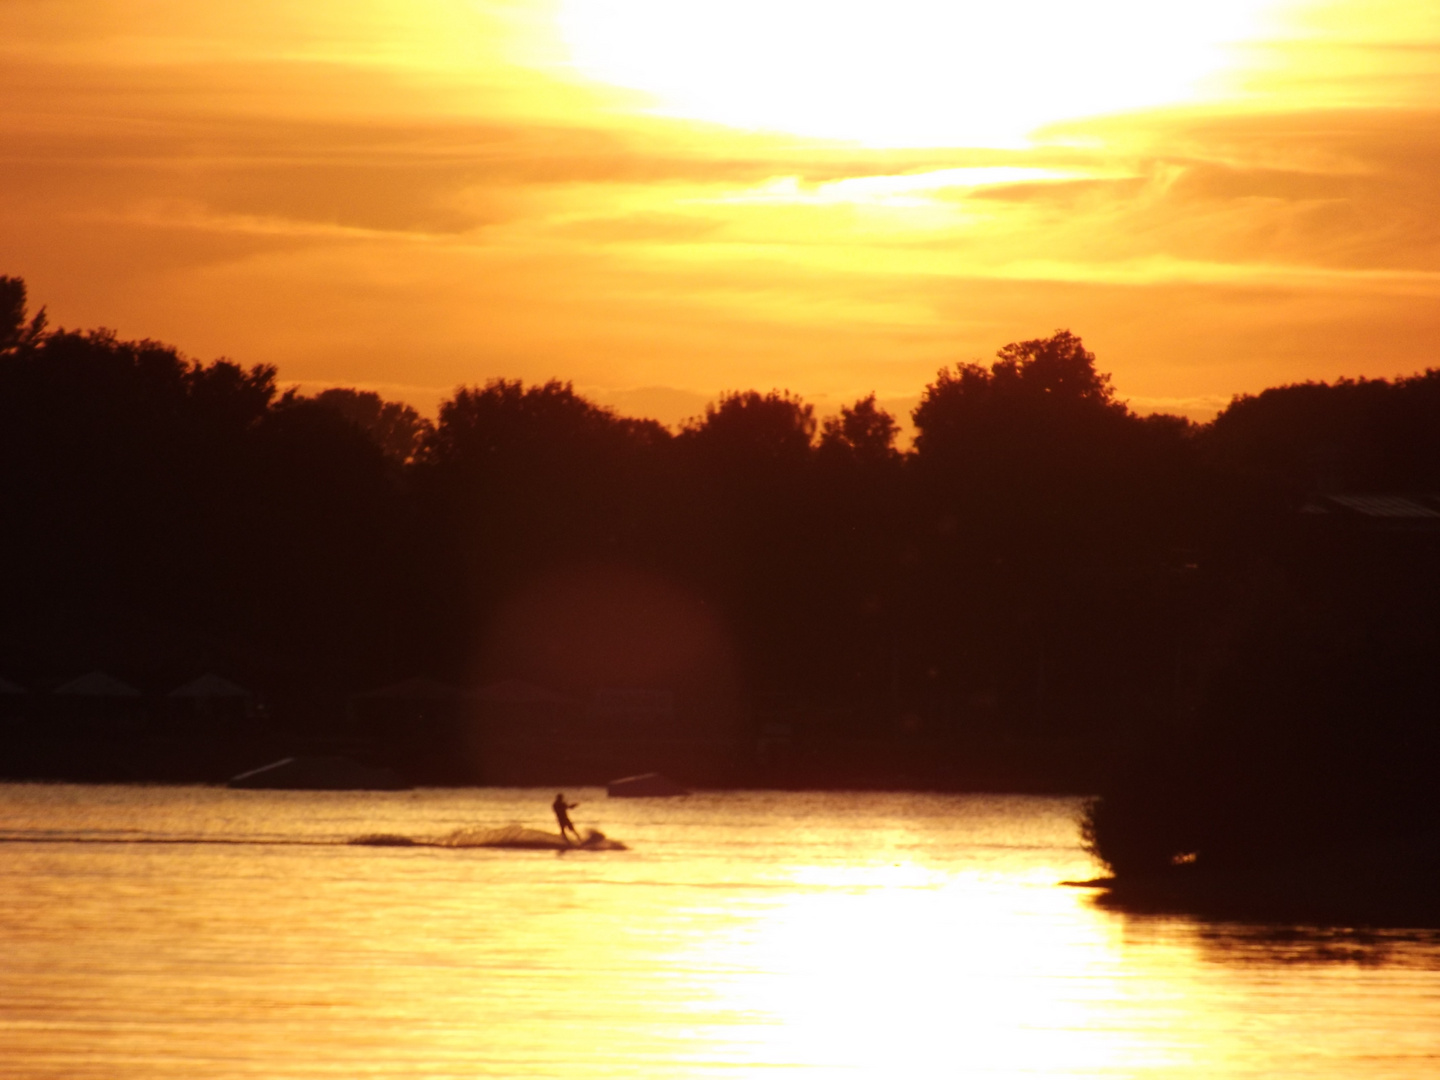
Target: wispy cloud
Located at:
point(426, 194)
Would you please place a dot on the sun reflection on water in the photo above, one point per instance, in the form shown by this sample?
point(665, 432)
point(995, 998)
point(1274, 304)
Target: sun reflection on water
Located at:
point(905, 969)
point(814, 935)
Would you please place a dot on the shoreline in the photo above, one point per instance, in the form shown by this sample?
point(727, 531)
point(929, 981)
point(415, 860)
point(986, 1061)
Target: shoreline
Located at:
point(1394, 883)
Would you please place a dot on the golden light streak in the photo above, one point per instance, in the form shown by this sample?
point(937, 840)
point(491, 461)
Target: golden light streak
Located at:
point(903, 189)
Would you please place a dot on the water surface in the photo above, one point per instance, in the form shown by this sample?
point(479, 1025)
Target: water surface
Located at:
point(151, 932)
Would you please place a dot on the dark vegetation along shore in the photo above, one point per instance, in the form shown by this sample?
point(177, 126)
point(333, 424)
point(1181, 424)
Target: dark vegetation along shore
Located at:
point(1230, 630)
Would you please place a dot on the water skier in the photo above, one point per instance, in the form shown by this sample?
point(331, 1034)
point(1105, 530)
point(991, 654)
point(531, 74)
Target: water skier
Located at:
point(560, 806)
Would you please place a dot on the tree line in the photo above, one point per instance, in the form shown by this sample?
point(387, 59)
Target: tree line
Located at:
point(1044, 568)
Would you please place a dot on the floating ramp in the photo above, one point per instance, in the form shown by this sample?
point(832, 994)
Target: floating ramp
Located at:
point(650, 785)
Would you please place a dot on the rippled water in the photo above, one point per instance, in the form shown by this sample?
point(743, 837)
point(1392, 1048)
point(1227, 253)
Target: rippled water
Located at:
point(192, 932)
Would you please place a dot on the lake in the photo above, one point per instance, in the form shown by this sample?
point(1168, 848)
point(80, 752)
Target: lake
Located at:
point(157, 932)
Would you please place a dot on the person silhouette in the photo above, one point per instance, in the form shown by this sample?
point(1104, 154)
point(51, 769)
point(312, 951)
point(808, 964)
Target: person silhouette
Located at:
point(560, 806)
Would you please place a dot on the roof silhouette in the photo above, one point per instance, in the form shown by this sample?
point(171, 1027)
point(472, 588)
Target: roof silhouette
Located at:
point(210, 685)
point(97, 684)
point(417, 688)
point(515, 692)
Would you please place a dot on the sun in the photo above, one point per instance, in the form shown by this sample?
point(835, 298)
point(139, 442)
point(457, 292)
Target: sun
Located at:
point(908, 72)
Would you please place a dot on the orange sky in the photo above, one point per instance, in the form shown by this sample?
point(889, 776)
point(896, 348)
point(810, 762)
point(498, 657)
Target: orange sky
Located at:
point(660, 200)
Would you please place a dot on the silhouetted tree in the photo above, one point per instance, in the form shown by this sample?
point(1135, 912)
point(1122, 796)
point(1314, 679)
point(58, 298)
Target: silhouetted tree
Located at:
point(516, 481)
point(1022, 456)
point(504, 424)
point(860, 499)
point(749, 522)
point(863, 431)
point(752, 428)
point(395, 427)
point(1035, 404)
point(1351, 435)
point(1081, 572)
point(1045, 511)
point(175, 510)
point(1311, 726)
point(15, 331)
point(1315, 729)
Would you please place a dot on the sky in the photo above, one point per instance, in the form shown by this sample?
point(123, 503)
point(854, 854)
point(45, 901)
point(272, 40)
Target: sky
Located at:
point(660, 200)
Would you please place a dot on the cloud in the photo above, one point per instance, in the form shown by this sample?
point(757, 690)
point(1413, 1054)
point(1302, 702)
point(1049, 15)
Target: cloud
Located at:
point(393, 199)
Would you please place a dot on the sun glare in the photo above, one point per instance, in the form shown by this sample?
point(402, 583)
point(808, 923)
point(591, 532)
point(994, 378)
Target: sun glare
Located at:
point(908, 72)
point(950, 974)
